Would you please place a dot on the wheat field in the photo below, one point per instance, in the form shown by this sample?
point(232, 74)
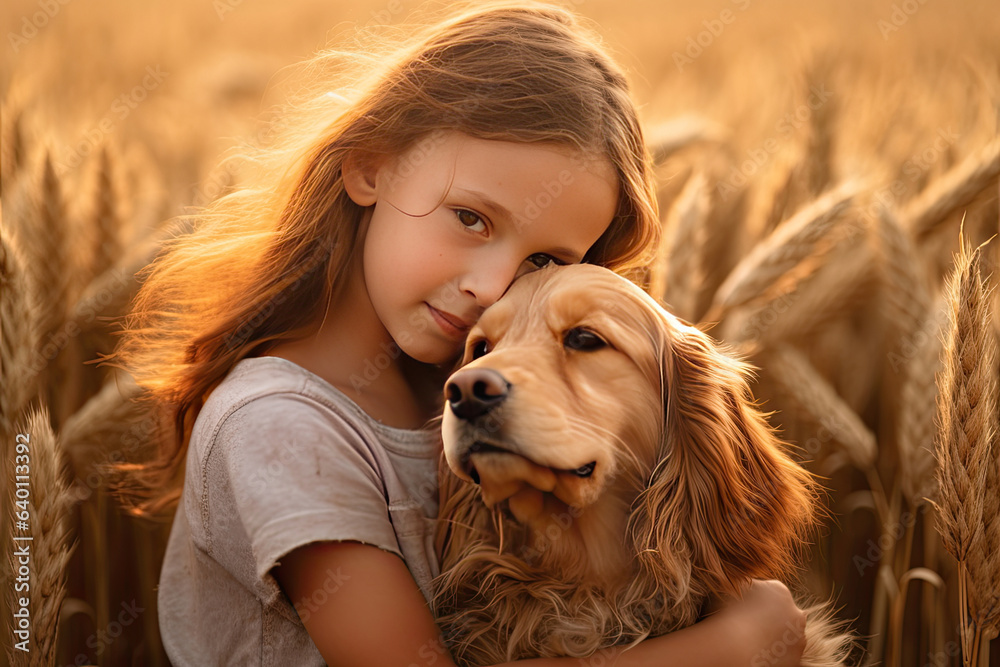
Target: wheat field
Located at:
point(829, 194)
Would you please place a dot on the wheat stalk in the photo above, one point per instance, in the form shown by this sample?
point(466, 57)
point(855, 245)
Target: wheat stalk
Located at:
point(785, 247)
point(678, 276)
point(804, 386)
point(967, 415)
point(953, 190)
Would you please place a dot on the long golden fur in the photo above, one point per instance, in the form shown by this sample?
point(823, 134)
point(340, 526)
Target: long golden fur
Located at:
point(622, 477)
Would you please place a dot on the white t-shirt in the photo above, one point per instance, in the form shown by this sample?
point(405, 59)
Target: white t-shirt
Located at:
point(279, 458)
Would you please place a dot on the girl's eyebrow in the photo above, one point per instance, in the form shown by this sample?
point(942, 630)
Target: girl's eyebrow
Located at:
point(497, 210)
point(493, 208)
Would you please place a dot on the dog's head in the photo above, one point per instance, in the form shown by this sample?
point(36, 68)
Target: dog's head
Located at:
point(585, 411)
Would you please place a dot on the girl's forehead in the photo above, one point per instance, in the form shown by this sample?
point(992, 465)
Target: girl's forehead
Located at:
point(526, 182)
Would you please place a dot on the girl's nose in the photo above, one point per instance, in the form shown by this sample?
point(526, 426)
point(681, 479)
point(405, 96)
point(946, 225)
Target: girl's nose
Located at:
point(487, 281)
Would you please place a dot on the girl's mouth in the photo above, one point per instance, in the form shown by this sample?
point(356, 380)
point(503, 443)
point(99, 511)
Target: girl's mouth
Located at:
point(453, 327)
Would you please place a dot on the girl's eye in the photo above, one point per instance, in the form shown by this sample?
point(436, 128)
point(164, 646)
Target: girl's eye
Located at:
point(470, 220)
point(541, 260)
point(481, 348)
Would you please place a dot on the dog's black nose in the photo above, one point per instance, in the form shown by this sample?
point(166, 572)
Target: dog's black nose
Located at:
point(473, 392)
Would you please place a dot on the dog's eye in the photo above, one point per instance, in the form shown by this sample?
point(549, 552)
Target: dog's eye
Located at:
point(586, 470)
point(480, 348)
point(579, 338)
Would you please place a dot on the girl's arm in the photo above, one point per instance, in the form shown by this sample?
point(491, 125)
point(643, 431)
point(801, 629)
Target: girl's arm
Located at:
point(374, 614)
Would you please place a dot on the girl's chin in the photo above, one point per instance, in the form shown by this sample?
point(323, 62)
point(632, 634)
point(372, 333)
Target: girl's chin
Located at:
point(435, 355)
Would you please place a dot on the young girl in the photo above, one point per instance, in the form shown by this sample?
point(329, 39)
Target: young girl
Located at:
point(300, 335)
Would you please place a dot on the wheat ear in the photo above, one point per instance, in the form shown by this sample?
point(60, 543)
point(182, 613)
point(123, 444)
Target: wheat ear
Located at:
point(49, 504)
point(792, 371)
point(667, 137)
point(824, 286)
point(109, 428)
point(18, 334)
point(786, 246)
point(45, 249)
point(11, 146)
point(678, 276)
point(105, 219)
point(953, 190)
point(921, 363)
point(967, 415)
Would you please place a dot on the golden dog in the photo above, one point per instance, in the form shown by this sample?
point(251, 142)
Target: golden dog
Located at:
point(611, 474)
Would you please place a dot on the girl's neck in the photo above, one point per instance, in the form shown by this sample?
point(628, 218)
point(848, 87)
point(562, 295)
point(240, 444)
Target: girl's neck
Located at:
point(352, 351)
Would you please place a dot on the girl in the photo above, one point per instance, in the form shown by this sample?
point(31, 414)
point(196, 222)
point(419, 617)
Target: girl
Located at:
point(300, 335)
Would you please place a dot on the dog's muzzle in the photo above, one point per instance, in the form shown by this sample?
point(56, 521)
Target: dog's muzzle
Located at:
point(474, 392)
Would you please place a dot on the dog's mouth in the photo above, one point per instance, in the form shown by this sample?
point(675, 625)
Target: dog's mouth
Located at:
point(518, 485)
point(479, 447)
point(482, 447)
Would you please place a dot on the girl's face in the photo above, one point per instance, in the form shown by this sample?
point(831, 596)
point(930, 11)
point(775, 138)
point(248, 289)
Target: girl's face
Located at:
point(456, 219)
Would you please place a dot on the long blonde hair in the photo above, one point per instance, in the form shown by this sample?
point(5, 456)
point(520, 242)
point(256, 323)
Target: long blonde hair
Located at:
point(262, 261)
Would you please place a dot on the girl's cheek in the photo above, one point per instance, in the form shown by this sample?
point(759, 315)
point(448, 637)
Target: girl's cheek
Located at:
point(418, 323)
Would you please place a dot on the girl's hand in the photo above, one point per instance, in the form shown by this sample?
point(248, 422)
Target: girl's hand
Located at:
point(377, 616)
point(768, 622)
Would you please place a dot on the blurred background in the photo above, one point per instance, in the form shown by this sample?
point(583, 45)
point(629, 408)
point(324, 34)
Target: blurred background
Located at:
point(815, 160)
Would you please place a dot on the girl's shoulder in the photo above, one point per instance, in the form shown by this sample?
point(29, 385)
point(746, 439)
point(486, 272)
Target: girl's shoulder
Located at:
point(272, 393)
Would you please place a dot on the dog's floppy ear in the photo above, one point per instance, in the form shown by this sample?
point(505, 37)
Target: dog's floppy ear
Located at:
point(725, 503)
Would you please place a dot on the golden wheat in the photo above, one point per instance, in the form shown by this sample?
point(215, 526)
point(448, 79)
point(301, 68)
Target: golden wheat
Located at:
point(49, 506)
point(793, 240)
point(954, 189)
point(836, 311)
point(18, 337)
point(967, 412)
point(677, 273)
point(11, 146)
point(816, 398)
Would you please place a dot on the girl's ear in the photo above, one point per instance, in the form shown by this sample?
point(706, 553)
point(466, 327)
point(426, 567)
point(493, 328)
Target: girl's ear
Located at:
point(359, 179)
point(726, 503)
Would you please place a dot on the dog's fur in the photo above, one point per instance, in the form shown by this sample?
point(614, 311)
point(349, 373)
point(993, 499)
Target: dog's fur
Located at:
point(691, 494)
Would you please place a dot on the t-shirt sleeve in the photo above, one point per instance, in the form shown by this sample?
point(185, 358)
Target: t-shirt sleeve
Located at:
point(301, 473)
